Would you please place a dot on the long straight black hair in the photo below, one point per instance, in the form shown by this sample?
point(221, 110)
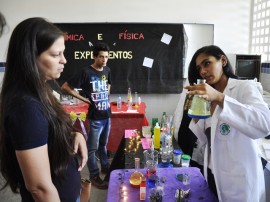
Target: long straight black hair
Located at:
point(29, 39)
point(212, 50)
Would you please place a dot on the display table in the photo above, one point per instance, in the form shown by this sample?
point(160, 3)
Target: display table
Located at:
point(124, 119)
point(78, 109)
point(199, 190)
point(124, 156)
point(120, 120)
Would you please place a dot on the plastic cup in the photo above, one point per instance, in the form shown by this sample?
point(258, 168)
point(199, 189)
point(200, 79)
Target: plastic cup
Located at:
point(185, 159)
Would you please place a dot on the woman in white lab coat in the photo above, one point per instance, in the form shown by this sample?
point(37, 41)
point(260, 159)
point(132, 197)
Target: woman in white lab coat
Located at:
point(239, 116)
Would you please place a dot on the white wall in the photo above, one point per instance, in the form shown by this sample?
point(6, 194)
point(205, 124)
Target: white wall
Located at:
point(230, 18)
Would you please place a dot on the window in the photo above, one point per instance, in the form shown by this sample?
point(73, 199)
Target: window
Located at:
point(259, 41)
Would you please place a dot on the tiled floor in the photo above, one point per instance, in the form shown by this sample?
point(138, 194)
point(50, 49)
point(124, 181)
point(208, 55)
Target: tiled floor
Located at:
point(97, 195)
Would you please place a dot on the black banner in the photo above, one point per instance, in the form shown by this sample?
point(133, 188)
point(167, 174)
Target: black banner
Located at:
point(148, 58)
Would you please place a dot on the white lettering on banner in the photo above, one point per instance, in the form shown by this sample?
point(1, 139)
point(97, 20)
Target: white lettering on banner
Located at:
point(100, 37)
point(120, 55)
point(80, 55)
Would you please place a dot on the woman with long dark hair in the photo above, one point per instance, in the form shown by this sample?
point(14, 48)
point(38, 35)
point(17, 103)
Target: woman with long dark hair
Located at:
point(239, 116)
point(186, 138)
point(37, 143)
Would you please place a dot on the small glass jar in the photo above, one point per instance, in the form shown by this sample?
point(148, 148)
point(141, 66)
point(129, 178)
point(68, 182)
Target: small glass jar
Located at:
point(185, 159)
point(177, 156)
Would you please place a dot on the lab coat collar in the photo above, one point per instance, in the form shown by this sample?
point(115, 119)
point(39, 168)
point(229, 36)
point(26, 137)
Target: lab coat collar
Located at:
point(230, 85)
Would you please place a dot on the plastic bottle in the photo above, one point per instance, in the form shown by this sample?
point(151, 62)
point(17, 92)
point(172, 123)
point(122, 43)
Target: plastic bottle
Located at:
point(130, 104)
point(129, 95)
point(163, 122)
point(129, 99)
point(136, 99)
point(168, 143)
point(139, 100)
point(157, 136)
point(76, 100)
point(119, 102)
point(163, 129)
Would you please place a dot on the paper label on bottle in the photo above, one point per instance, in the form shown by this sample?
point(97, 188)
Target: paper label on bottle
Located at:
point(142, 193)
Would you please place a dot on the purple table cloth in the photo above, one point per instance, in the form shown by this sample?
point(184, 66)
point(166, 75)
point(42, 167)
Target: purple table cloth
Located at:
point(199, 190)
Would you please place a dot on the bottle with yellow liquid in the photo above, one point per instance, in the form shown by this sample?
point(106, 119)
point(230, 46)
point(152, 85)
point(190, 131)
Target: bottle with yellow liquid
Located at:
point(200, 108)
point(136, 176)
point(157, 136)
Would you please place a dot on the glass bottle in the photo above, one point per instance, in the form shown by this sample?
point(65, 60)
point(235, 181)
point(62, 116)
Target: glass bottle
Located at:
point(129, 95)
point(119, 102)
point(129, 99)
point(135, 177)
point(163, 122)
point(136, 99)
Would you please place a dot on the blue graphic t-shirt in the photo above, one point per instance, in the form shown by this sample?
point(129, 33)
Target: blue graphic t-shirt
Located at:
point(94, 85)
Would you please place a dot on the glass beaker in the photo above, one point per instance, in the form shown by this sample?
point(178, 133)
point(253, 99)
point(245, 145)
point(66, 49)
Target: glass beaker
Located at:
point(150, 155)
point(165, 155)
point(200, 108)
point(151, 170)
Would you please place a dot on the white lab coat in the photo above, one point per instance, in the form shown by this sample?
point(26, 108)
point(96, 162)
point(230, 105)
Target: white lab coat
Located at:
point(235, 159)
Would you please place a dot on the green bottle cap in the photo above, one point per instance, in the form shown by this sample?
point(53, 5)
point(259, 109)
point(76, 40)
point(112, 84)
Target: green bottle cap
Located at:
point(185, 157)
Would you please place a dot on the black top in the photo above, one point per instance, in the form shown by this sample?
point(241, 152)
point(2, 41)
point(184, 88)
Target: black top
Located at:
point(186, 138)
point(28, 128)
point(94, 84)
